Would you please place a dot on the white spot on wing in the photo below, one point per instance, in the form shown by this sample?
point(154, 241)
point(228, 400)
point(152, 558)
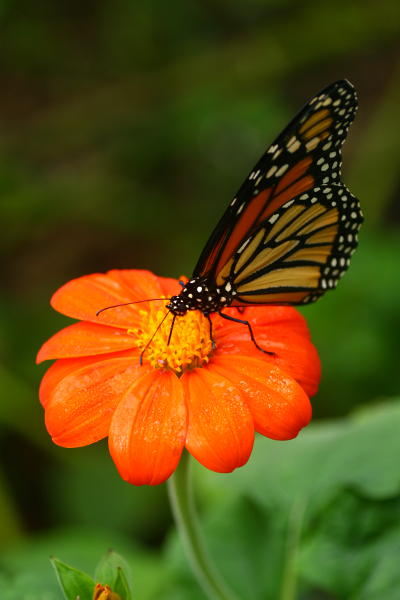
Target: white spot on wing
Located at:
point(294, 146)
point(271, 171)
point(282, 170)
point(313, 143)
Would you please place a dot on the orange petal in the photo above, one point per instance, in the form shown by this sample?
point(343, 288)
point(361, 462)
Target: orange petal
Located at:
point(148, 429)
point(298, 357)
point(220, 430)
point(81, 298)
point(57, 372)
point(279, 405)
point(266, 316)
point(169, 287)
point(85, 339)
point(81, 394)
point(294, 352)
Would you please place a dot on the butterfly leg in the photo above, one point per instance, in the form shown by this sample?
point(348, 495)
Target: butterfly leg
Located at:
point(171, 330)
point(214, 345)
point(253, 339)
point(152, 337)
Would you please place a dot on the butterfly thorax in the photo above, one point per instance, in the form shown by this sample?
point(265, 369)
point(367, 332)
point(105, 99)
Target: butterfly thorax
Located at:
point(198, 294)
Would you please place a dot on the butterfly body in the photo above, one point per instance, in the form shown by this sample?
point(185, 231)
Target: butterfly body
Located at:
point(288, 235)
point(201, 294)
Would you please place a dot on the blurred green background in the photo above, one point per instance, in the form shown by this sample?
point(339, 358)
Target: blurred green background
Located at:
point(125, 129)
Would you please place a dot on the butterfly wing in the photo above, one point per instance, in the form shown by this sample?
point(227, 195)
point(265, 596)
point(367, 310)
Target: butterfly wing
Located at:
point(299, 252)
point(305, 155)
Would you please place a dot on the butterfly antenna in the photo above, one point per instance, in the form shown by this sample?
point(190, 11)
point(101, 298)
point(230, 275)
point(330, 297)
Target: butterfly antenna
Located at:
point(152, 338)
point(127, 303)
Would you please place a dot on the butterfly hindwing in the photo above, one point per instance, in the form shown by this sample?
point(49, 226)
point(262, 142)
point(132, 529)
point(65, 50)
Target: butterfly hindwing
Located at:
point(307, 154)
point(299, 252)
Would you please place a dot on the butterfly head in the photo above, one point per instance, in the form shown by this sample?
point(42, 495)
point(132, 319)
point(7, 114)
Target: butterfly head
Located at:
point(178, 306)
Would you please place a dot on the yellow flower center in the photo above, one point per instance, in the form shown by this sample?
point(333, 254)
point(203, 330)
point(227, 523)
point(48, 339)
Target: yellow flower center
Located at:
point(189, 344)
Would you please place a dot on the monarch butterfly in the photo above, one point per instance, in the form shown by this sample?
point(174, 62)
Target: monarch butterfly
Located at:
point(288, 234)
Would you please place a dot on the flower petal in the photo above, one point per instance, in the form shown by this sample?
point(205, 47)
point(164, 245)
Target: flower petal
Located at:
point(298, 357)
point(220, 429)
point(81, 394)
point(85, 339)
point(169, 287)
point(267, 316)
point(148, 429)
point(82, 298)
point(294, 352)
point(279, 405)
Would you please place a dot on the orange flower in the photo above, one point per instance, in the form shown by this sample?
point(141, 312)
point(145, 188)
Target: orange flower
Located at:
point(185, 394)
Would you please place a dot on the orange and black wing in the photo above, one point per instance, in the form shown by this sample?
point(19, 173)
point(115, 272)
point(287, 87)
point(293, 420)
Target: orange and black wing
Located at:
point(307, 154)
point(298, 253)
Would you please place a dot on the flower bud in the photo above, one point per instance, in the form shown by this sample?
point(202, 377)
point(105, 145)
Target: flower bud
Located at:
point(104, 592)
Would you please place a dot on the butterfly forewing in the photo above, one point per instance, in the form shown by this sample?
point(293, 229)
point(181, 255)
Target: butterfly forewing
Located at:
point(305, 156)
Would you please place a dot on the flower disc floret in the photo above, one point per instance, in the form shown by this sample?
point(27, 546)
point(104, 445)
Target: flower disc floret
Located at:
point(187, 347)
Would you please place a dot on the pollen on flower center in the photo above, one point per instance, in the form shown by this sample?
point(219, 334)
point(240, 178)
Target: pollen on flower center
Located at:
point(190, 345)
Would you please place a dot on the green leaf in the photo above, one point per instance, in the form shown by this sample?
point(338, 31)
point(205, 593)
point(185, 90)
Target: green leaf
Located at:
point(356, 451)
point(114, 571)
point(74, 583)
point(121, 585)
point(319, 513)
point(28, 575)
point(352, 549)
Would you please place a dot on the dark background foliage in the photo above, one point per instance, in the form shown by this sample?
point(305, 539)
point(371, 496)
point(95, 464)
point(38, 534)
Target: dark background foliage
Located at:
point(125, 129)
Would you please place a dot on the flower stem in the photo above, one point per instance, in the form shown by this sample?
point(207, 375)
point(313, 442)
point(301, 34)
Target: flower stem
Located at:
point(295, 523)
point(180, 491)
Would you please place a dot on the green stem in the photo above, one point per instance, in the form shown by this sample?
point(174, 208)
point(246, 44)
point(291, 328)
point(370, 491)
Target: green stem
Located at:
point(295, 522)
point(180, 491)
